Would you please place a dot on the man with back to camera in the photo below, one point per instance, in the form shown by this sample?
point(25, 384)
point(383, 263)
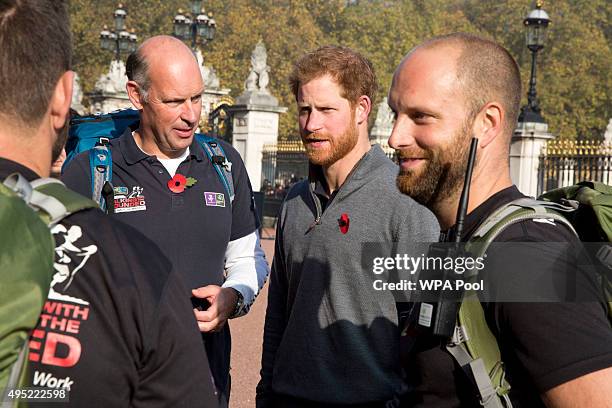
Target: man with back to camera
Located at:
point(329, 339)
point(445, 91)
point(117, 328)
point(210, 239)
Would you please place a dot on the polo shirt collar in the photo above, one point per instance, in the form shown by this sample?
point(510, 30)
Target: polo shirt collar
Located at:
point(133, 154)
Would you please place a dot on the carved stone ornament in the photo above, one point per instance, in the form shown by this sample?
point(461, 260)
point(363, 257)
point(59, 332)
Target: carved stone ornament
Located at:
point(258, 78)
point(114, 81)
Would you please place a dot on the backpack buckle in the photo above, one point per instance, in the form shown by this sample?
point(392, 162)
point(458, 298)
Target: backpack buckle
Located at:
point(459, 336)
point(222, 161)
point(604, 254)
point(103, 141)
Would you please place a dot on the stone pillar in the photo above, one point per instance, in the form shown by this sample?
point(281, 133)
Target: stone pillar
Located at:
point(255, 116)
point(383, 125)
point(110, 93)
point(254, 123)
point(608, 134)
point(77, 95)
point(527, 143)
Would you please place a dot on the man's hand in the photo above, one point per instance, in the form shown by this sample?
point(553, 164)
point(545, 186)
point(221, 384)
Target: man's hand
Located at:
point(222, 303)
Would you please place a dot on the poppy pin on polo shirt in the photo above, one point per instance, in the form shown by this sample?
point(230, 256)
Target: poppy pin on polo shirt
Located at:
point(343, 223)
point(178, 183)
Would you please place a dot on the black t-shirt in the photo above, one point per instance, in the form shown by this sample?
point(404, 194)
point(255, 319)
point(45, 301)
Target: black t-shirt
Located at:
point(542, 344)
point(117, 327)
point(191, 228)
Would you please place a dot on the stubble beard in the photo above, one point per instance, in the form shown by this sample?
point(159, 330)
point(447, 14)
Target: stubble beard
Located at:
point(442, 175)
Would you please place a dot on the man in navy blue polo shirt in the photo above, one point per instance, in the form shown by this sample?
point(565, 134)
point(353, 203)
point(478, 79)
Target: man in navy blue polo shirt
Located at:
point(211, 240)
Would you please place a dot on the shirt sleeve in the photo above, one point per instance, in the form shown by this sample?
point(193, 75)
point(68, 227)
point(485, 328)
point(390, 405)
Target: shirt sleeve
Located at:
point(247, 268)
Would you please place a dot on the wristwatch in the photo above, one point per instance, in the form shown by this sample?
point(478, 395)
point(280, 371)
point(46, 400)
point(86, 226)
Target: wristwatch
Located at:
point(239, 304)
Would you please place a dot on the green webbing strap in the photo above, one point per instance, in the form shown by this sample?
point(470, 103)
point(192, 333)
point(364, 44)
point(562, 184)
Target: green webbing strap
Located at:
point(39, 201)
point(71, 201)
point(49, 197)
point(487, 392)
point(476, 347)
point(479, 344)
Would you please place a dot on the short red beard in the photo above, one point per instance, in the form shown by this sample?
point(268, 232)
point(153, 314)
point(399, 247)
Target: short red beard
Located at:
point(339, 147)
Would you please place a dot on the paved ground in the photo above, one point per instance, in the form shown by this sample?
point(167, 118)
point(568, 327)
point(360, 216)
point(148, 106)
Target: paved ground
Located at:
point(247, 335)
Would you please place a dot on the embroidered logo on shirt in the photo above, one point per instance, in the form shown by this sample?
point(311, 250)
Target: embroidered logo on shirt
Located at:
point(214, 199)
point(133, 201)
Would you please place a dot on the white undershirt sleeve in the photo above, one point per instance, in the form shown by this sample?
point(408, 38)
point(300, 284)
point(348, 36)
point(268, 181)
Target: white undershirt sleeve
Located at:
point(246, 268)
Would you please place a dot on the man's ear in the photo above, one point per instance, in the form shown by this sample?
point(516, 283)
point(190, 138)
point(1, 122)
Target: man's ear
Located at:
point(135, 94)
point(489, 123)
point(61, 100)
point(363, 109)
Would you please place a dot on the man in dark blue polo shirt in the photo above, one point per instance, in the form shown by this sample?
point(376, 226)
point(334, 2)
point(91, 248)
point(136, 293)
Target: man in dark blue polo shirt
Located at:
point(211, 240)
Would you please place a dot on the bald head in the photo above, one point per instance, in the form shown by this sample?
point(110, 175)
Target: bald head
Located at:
point(156, 57)
point(484, 70)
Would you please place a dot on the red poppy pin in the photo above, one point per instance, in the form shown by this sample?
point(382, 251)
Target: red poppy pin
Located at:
point(178, 183)
point(343, 223)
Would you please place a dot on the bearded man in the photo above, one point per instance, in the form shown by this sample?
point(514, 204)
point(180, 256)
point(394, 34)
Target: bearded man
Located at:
point(556, 354)
point(329, 339)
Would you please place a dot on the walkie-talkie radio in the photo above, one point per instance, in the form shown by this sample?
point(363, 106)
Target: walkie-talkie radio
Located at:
point(440, 317)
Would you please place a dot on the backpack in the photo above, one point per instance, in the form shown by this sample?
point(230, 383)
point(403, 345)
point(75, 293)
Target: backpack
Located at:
point(27, 252)
point(92, 133)
point(585, 208)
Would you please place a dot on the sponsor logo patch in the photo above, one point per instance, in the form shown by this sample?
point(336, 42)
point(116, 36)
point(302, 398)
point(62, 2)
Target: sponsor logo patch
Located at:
point(134, 201)
point(214, 199)
point(123, 191)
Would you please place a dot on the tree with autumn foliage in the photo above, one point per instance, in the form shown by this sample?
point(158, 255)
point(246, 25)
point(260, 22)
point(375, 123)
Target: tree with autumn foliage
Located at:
point(574, 79)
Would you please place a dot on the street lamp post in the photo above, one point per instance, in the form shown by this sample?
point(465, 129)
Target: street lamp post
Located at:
point(202, 27)
point(536, 23)
point(118, 40)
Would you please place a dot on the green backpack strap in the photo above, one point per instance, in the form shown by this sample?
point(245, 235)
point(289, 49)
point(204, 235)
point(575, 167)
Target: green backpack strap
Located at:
point(473, 345)
point(596, 195)
point(50, 197)
point(475, 349)
point(26, 262)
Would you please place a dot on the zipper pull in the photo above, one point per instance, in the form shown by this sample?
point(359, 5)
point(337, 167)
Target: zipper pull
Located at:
point(316, 222)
